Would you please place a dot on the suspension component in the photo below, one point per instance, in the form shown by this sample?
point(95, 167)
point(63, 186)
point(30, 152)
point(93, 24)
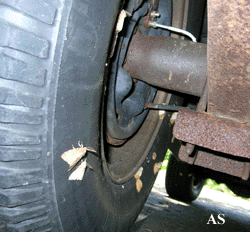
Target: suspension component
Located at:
point(163, 106)
point(168, 63)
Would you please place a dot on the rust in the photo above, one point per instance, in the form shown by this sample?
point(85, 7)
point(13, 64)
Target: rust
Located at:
point(147, 19)
point(221, 164)
point(229, 59)
point(217, 163)
point(179, 16)
point(114, 141)
point(183, 155)
point(202, 105)
point(217, 134)
point(246, 171)
point(123, 45)
point(155, 4)
point(189, 148)
point(168, 63)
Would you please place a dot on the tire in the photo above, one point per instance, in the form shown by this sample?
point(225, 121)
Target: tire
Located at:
point(52, 66)
point(182, 182)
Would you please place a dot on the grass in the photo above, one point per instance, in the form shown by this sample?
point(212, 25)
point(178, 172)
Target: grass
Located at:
point(212, 184)
point(165, 161)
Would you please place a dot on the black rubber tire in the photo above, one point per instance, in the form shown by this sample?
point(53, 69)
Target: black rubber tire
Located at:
point(180, 181)
point(52, 65)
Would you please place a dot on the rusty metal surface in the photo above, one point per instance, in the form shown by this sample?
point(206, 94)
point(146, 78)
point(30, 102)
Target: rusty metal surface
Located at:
point(213, 133)
point(188, 149)
point(202, 104)
point(179, 16)
point(221, 164)
point(229, 59)
point(246, 171)
point(184, 153)
point(154, 4)
point(114, 141)
point(147, 20)
point(168, 63)
point(216, 163)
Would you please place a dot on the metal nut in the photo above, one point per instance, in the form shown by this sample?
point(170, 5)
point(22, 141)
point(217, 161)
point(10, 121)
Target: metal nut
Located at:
point(155, 14)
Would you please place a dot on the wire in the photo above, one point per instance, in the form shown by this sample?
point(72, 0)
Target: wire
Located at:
point(174, 29)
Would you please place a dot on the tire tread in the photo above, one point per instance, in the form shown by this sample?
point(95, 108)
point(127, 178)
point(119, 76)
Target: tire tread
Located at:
point(26, 53)
point(23, 41)
point(39, 9)
point(21, 71)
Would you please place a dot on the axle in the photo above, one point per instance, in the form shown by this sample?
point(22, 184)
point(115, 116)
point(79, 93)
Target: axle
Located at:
point(168, 63)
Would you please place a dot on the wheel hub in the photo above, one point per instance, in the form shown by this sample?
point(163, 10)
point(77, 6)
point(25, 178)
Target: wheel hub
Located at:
point(127, 97)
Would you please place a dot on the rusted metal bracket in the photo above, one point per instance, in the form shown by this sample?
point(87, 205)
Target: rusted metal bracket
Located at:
point(217, 134)
point(217, 163)
point(246, 171)
point(222, 135)
point(188, 149)
point(222, 164)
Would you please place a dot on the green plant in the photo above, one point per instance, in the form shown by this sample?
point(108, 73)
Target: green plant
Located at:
point(212, 184)
point(165, 161)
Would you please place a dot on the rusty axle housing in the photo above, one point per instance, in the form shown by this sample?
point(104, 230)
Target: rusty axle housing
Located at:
point(168, 63)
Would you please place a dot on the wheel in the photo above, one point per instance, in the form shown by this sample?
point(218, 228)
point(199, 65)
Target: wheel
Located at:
point(182, 183)
point(55, 68)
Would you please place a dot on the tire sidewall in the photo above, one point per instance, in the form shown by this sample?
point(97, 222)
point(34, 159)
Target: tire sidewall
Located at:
point(95, 203)
point(180, 181)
